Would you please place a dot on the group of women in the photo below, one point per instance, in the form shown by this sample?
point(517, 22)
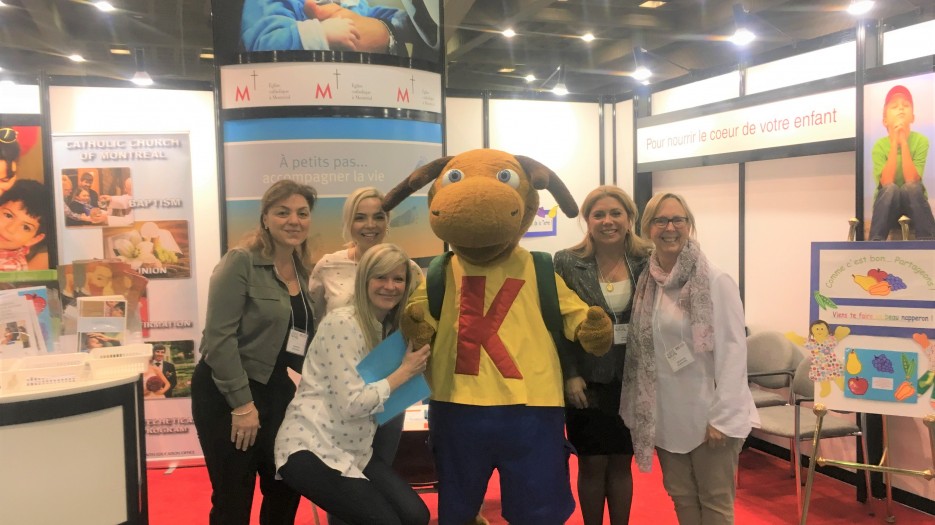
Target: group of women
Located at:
point(673, 383)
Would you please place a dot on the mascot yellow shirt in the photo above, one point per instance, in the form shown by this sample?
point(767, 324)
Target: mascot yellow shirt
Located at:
point(491, 345)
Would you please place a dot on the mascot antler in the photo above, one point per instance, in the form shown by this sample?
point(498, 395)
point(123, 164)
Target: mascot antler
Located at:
point(542, 178)
point(414, 182)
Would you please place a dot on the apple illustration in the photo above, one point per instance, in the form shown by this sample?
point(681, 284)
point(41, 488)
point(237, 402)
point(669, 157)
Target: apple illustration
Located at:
point(857, 385)
point(877, 274)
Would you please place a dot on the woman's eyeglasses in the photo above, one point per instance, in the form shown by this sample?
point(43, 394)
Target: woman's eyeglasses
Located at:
point(663, 222)
point(7, 135)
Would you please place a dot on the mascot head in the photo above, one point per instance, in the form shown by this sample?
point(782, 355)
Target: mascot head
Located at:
point(481, 202)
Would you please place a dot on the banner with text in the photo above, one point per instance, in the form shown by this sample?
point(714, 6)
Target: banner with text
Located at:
point(875, 288)
point(335, 156)
point(128, 198)
point(329, 84)
point(802, 120)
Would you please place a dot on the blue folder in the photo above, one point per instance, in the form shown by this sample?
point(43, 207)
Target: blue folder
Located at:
point(383, 360)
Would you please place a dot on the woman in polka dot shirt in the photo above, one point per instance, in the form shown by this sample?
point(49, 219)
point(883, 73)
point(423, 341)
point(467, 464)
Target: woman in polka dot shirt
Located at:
point(323, 449)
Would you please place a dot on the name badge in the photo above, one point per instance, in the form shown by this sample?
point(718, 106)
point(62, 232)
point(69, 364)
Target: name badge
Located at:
point(298, 340)
point(679, 357)
point(620, 333)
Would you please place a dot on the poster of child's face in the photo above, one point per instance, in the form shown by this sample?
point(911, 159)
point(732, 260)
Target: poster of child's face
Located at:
point(25, 211)
point(156, 249)
point(96, 197)
point(407, 28)
point(899, 123)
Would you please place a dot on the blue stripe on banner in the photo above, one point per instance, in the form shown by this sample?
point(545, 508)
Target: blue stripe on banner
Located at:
point(331, 128)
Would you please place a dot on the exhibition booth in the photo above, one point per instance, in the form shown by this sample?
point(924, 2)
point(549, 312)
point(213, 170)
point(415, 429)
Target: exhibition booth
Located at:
point(775, 159)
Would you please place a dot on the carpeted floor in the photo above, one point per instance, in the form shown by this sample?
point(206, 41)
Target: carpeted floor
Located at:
point(766, 496)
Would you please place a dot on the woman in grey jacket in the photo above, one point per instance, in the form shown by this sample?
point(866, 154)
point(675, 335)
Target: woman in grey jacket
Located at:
point(602, 269)
point(259, 322)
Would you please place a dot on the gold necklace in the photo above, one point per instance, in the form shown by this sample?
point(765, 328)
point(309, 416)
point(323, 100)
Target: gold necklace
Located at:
point(609, 286)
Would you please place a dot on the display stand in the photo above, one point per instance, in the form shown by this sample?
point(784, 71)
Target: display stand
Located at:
point(820, 411)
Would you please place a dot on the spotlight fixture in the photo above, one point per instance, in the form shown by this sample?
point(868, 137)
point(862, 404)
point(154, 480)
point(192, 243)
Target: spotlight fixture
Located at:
point(509, 33)
point(530, 78)
point(104, 6)
point(141, 77)
point(860, 7)
point(506, 70)
point(642, 71)
point(587, 37)
point(560, 88)
point(76, 58)
point(743, 35)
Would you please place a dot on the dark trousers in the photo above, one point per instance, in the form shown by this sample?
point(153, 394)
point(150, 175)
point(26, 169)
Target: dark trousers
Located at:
point(233, 472)
point(892, 201)
point(385, 444)
point(382, 499)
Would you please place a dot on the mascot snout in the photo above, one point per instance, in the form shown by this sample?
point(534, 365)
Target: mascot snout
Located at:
point(477, 212)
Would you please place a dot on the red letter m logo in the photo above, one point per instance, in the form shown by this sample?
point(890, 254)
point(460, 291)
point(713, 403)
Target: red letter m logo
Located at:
point(476, 329)
point(242, 95)
point(323, 93)
point(402, 95)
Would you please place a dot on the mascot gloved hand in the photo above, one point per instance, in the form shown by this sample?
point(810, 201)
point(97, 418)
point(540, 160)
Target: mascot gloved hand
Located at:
point(489, 309)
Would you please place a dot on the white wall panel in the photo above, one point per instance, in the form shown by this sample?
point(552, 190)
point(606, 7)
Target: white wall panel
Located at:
point(814, 65)
point(789, 204)
point(699, 93)
point(712, 193)
point(562, 135)
point(19, 98)
point(464, 124)
point(909, 42)
point(624, 141)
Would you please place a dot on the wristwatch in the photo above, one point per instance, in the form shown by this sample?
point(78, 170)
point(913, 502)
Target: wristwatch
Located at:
point(391, 43)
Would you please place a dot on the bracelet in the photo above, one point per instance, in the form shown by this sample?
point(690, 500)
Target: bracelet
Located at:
point(243, 413)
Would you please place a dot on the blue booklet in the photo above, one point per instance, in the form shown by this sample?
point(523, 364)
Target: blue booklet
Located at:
point(382, 361)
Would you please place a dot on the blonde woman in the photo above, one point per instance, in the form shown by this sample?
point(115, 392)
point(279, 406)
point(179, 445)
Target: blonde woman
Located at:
point(323, 449)
point(602, 269)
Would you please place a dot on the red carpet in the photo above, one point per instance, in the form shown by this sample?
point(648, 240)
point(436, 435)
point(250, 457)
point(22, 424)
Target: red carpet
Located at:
point(766, 497)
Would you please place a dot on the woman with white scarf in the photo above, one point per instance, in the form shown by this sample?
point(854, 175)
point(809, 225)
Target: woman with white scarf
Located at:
point(685, 388)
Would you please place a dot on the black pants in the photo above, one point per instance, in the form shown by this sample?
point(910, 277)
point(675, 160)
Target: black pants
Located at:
point(233, 472)
point(385, 444)
point(382, 499)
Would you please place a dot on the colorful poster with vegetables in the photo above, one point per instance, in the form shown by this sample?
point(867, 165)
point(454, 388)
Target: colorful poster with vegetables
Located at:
point(881, 375)
point(875, 288)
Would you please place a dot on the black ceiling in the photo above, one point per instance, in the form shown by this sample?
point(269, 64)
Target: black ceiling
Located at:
point(683, 37)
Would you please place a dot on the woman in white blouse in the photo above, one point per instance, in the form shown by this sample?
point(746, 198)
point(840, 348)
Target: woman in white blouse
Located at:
point(323, 449)
point(685, 388)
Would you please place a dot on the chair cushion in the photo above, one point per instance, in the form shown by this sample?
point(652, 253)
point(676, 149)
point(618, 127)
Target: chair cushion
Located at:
point(780, 421)
point(765, 398)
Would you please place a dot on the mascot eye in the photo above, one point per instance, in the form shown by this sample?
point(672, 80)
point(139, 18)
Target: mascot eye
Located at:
point(452, 176)
point(508, 176)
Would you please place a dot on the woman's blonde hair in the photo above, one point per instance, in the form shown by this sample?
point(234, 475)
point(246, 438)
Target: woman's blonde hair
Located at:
point(351, 204)
point(377, 261)
point(649, 212)
point(260, 240)
point(632, 244)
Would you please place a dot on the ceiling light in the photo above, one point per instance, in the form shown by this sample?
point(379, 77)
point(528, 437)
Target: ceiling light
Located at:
point(645, 82)
point(587, 37)
point(76, 58)
point(119, 51)
point(530, 78)
point(506, 70)
point(652, 4)
point(560, 89)
point(860, 7)
point(142, 79)
point(206, 54)
point(104, 6)
point(742, 37)
point(509, 33)
point(642, 73)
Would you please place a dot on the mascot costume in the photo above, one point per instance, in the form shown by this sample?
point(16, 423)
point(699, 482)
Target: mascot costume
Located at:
point(494, 372)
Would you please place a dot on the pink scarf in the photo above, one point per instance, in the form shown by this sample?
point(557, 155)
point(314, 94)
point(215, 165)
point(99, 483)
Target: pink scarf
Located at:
point(638, 398)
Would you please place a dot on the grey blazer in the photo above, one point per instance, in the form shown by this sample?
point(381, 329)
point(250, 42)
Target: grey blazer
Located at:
point(581, 275)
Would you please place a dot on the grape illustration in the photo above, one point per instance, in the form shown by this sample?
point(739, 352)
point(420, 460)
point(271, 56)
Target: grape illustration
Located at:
point(895, 282)
point(883, 364)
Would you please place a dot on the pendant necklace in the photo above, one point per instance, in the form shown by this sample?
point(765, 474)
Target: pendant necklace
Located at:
point(609, 286)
